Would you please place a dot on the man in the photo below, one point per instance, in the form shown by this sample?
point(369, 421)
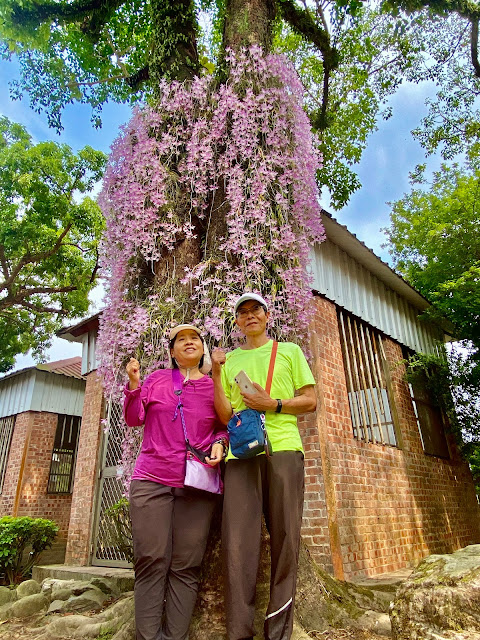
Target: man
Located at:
point(272, 484)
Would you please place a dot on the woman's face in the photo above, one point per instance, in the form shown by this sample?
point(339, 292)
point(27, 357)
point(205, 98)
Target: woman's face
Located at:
point(187, 348)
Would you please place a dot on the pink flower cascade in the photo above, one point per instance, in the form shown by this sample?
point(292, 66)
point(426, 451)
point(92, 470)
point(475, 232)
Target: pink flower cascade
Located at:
point(250, 137)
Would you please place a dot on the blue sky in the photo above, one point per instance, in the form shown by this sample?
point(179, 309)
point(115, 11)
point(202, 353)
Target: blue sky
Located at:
point(383, 171)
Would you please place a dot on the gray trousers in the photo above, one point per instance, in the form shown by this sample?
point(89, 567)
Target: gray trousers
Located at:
point(274, 486)
point(170, 529)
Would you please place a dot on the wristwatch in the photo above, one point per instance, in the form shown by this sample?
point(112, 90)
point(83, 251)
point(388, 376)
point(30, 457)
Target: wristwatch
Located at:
point(279, 406)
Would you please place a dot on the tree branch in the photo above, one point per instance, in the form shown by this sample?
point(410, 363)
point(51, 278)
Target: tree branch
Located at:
point(474, 47)
point(94, 13)
point(302, 23)
point(28, 258)
point(19, 297)
point(41, 309)
point(4, 262)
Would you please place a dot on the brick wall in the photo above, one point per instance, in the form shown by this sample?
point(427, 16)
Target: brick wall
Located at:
point(86, 473)
point(390, 506)
point(25, 486)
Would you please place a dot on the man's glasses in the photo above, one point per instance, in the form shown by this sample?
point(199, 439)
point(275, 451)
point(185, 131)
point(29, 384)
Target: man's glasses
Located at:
point(256, 309)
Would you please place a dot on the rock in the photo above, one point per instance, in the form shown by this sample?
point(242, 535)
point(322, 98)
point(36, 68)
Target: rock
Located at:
point(376, 598)
point(56, 606)
point(75, 587)
point(107, 586)
point(441, 599)
point(61, 594)
point(298, 633)
point(7, 595)
point(5, 612)
point(93, 599)
point(28, 588)
point(376, 622)
point(29, 605)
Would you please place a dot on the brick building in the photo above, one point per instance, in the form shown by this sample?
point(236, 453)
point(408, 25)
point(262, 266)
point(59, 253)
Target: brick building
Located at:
point(385, 484)
point(40, 417)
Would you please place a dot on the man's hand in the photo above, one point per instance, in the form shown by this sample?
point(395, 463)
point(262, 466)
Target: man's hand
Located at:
point(133, 373)
point(260, 401)
point(218, 360)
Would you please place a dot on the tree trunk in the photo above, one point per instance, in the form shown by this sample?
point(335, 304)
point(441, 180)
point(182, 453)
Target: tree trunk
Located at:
point(248, 22)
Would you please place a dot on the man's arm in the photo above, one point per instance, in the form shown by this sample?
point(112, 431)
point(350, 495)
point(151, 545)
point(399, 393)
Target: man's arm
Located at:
point(305, 401)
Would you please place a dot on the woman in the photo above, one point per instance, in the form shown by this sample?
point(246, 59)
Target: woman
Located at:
point(170, 522)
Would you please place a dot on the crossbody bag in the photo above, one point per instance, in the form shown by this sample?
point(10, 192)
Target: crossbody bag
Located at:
point(198, 473)
point(246, 429)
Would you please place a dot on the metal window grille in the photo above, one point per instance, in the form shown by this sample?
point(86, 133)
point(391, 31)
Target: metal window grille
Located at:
point(430, 422)
point(364, 362)
point(64, 454)
point(6, 432)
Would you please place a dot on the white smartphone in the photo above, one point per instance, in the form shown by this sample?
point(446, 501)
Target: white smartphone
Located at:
point(244, 382)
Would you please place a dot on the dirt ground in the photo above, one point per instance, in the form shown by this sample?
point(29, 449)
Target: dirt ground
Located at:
point(28, 630)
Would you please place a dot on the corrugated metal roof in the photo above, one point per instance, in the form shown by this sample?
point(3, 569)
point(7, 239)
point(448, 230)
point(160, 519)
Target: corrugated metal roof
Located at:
point(344, 280)
point(37, 390)
point(71, 367)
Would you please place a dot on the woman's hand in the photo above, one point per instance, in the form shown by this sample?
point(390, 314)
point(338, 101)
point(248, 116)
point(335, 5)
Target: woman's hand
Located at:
point(216, 455)
point(133, 373)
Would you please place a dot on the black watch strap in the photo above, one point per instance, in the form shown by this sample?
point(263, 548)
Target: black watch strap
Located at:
point(279, 406)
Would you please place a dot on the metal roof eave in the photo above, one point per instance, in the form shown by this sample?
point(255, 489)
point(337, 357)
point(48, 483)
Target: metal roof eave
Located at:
point(346, 240)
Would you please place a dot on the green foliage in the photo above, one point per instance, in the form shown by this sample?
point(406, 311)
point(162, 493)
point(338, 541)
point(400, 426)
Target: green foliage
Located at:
point(375, 51)
point(48, 238)
point(453, 383)
point(118, 526)
point(435, 244)
point(352, 57)
point(22, 540)
point(434, 241)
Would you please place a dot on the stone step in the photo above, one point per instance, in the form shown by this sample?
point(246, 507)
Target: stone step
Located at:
point(124, 579)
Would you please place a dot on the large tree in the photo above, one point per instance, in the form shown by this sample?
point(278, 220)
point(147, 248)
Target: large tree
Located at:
point(48, 238)
point(435, 244)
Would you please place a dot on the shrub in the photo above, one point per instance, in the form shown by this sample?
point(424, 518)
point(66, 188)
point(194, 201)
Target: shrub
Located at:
point(22, 540)
point(118, 526)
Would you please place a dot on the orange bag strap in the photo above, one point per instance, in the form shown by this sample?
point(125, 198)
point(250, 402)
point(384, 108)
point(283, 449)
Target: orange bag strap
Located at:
point(268, 385)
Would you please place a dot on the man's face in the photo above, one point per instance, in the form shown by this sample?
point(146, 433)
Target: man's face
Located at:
point(251, 318)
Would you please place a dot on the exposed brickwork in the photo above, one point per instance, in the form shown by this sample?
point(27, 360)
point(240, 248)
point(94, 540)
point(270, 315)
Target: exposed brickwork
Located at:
point(25, 487)
point(86, 473)
point(394, 506)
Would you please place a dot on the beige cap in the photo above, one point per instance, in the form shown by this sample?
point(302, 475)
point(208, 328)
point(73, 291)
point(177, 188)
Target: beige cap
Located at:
point(181, 327)
point(207, 361)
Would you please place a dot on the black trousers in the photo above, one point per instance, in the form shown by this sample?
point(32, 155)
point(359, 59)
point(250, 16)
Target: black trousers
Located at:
point(170, 530)
point(274, 486)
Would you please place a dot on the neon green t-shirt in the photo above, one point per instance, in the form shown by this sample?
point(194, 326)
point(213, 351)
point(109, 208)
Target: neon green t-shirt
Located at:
point(291, 372)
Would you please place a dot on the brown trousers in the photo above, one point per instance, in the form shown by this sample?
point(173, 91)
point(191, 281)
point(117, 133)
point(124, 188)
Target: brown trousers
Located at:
point(170, 529)
point(274, 486)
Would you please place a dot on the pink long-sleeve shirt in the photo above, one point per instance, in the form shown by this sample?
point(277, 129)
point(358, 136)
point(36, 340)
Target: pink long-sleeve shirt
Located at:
point(163, 453)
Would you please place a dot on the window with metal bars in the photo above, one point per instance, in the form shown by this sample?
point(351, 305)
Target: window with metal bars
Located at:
point(64, 453)
point(6, 433)
point(430, 418)
point(365, 370)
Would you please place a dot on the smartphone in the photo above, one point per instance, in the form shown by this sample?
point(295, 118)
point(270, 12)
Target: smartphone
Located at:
point(244, 382)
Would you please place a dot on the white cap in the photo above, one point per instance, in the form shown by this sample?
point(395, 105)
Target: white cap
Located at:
point(250, 296)
point(207, 361)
